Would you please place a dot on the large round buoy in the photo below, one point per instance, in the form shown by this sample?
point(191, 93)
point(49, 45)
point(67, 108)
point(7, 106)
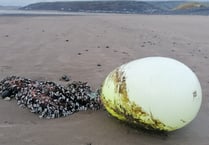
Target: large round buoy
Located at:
point(156, 93)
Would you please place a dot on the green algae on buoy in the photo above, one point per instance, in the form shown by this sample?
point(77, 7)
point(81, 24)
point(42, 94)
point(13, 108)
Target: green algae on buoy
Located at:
point(155, 93)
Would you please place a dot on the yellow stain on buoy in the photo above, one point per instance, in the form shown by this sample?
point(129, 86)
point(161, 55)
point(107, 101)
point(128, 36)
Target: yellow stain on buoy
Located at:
point(156, 93)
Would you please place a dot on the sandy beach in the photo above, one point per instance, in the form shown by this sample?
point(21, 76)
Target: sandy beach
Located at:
point(87, 48)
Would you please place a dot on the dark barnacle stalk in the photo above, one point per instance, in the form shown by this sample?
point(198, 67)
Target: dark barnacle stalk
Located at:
point(48, 99)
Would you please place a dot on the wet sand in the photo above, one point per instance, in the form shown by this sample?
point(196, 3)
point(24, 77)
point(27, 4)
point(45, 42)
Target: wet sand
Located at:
point(87, 48)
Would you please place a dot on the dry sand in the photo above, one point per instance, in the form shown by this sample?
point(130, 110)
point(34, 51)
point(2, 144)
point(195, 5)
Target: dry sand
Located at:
point(47, 47)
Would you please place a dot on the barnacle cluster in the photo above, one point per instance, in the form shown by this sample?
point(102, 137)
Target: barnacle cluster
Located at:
point(48, 99)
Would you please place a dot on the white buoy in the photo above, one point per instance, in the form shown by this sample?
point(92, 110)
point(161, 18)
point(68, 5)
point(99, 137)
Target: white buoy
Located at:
point(156, 93)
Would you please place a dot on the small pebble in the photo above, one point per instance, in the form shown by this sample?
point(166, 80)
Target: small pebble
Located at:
point(99, 65)
point(65, 78)
point(7, 99)
point(79, 53)
point(125, 52)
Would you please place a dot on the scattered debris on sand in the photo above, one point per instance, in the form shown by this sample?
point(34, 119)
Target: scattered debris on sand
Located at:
point(65, 78)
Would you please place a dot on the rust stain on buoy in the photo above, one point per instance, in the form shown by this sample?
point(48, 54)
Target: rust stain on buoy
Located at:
point(123, 109)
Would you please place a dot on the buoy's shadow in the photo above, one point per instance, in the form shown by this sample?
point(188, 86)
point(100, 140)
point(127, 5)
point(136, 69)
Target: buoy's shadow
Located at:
point(141, 130)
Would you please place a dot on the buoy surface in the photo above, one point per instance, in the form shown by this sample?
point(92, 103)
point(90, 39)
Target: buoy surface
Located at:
point(155, 93)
